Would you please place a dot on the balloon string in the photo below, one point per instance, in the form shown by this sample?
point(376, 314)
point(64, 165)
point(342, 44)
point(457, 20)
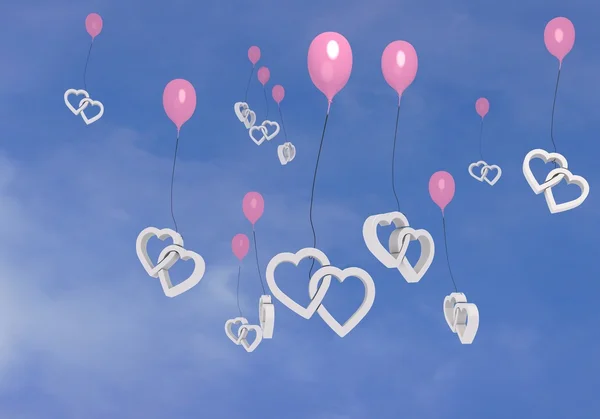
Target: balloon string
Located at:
point(312, 194)
point(394, 158)
point(266, 102)
point(238, 290)
point(173, 179)
point(282, 123)
point(481, 139)
point(447, 257)
point(87, 60)
point(552, 119)
point(257, 264)
point(248, 84)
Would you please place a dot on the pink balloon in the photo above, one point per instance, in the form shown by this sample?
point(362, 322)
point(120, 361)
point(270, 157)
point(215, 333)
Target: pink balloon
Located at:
point(253, 206)
point(399, 64)
point(264, 75)
point(179, 101)
point(240, 245)
point(254, 54)
point(93, 24)
point(441, 189)
point(482, 106)
point(278, 93)
point(559, 37)
point(330, 63)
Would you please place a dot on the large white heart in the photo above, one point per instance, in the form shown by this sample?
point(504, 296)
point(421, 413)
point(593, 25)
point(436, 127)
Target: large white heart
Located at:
point(92, 103)
point(403, 238)
point(268, 124)
point(466, 322)
point(341, 275)
point(472, 166)
point(449, 302)
point(266, 316)
point(571, 179)
point(263, 131)
point(393, 256)
point(546, 157)
point(76, 92)
point(244, 329)
point(286, 153)
point(191, 281)
point(141, 248)
point(295, 258)
point(237, 339)
point(496, 178)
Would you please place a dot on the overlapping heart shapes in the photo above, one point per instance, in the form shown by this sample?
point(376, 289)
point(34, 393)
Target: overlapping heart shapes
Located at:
point(286, 153)
point(83, 104)
point(462, 317)
point(263, 129)
point(485, 169)
point(242, 334)
point(245, 114)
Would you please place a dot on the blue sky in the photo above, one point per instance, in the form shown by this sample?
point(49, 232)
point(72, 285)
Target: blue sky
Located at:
point(84, 332)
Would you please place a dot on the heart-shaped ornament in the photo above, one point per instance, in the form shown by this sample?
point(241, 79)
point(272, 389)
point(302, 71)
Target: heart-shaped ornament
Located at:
point(403, 238)
point(244, 329)
point(141, 248)
point(236, 338)
point(286, 153)
point(392, 256)
point(546, 157)
point(76, 92)
point(258, 129)
point(295, 258)
point(450, 302)
point(266, 315)
point(341, 275)
point(491, 169)
point(466, 322)
point(475, 165)
point(571, 180)
point(269, 125)
point(191, 281)
point(92, 103)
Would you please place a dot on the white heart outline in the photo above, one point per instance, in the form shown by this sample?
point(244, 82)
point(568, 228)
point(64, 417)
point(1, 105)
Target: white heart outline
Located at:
point(449, 302)
point(295, 259)
point(392, 256)
point(245, 114)
point(229, 324)
point(268, 136)
point(496, 178)
point(141, 248)
point(413, 274)
point(483, 170)
point(342, 275)
point(75, 92)
point(546, 157)
point(571, 179)
point(291, 149)
point(91, 102)
point(260, 128)
point(266, 316)
point(244, 329)
point(189, 283)
point(466, 322)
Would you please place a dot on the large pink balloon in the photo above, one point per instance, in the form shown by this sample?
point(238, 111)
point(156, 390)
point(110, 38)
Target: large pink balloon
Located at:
point(179, 101)
point(254, 54)
point(240, 245)
point(559, 37)
point(482, 106)
point(329, 63)
point(264, 75)
point(253, 206)
point(278, 93)
point(399, 64)
point(441, 188)
point(93, 24)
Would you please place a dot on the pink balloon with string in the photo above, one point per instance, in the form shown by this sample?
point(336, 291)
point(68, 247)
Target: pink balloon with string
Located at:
point(441, 189)
point(240, 245)
point(264, 75)
point(399, 64)
point(254, 54)
point(93, 24)
point(179, 101)
point(253, 206)
point(559, 37)
point(278, 93)
point(482, 106)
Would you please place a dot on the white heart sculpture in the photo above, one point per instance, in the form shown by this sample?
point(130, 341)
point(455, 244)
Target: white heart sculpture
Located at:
point(414, 274)
point(466, 322)
point(266, 315)
point(268, 124)
point(244, 114)
point(229, 324)
point(571, 179)
point(92, 103)
point(545, 157)
point(295, 258)
point(449, 303)
point(472, 166)
point(496, 178)
point(341, 275)
point(191, 281)
point(75, 92)
point(263, 132)
point(393, 256)
point(286, 153)
point(141, 248)
point(244, 329)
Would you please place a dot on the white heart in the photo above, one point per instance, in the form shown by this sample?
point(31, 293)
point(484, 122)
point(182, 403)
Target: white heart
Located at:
point(191, 281)
point(449, 302)
point(341, 275)
point(75, 92)
point(229, 324)
point(545, 157)
point(414, 274)
point(496, 178)
point(239, 109)
point(483, 170)
point(466, 322)
point(295, 258)
point(286, 153)
point(93, 103)
point(268, 124)
point(244, 329)
point(392, 256)
point(263, 131)
point(141, 248)
point(571, 179)
point(266, 315)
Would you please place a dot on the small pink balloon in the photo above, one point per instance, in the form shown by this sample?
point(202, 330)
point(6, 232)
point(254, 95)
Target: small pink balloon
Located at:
point(399, 64)
point(482, 106)
point(330, 63)
point(278, 93)
point(254, 54)
point(264, 75)
point(240, 245)
point(559, 37)
point(93, 24)
point(179, 101)
point(253, 206)
point(441, 189)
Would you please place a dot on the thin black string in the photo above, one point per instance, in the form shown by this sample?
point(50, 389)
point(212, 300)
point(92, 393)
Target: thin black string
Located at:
point(238, 290)
point(257, 264)
point(87, 60)
point(447, 257)
point(481, 139)
point(312, 193)
point(282, 123)
point(552, 119)
point(173, 179)
point(266, 102)
point(394, 159)
point(248, 84)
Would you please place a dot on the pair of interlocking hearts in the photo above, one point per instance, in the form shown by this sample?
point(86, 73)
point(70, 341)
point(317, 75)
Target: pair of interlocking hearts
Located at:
point(394, 256)
point(83, 104)
point(319, 285)
point(286, 153)
point(554, 178)
point(248, 118)
point(266, 313)
point(462, 317)
point(485, 169)
point(167, 258)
